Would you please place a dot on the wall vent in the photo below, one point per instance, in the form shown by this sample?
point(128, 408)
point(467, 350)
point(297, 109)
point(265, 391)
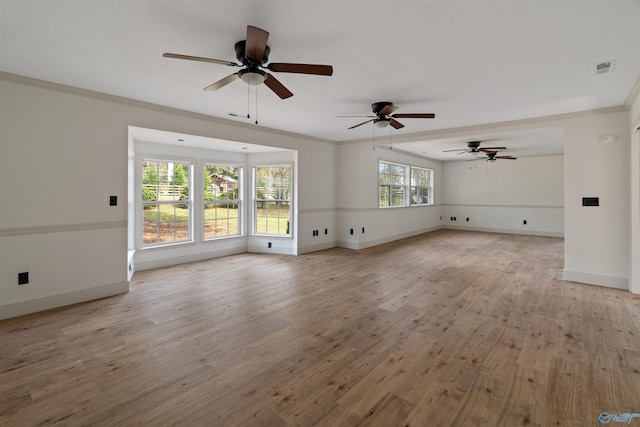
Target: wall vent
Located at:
point(605, 67)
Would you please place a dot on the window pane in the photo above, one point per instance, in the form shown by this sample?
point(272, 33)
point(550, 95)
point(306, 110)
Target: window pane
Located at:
point(397, 196)
point(420, 186)
point(384, 195)
point(221, 219)
point(167, 184)
point(398, 175)
point(272, 194)
point(222, 201)
point(384, 172)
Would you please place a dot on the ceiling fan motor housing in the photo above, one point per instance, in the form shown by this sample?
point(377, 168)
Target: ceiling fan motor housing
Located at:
point(241, 55)
point(473, 145)
point(379, 106)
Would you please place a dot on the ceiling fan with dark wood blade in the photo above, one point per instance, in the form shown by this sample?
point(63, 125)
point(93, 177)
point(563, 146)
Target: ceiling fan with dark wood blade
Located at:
point(384, 116)
point(474, 147)
point(492, 157)
point(253, 54)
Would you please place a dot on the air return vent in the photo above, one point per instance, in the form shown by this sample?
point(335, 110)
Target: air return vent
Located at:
point(605, 67)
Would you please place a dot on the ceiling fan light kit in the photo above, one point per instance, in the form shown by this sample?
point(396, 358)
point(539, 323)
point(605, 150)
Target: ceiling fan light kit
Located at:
point(382, 122)
point(252, 78)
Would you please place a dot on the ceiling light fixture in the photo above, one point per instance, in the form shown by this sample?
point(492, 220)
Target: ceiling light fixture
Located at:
point(253, 77)
point(382, 122)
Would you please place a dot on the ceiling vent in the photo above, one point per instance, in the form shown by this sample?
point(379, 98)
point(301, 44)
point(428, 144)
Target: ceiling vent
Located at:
point(605, 67)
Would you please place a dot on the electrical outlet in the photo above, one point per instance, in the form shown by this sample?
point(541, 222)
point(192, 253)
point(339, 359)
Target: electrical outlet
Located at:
point(351, 231)
point(362, 230)
point(269, 245)
point(113, 200)
point(467, 219)
point(23, 278)
point(326, 231)
point(524, 222)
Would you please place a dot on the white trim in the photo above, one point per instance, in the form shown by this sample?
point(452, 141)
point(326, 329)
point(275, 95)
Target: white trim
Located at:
point(505, 206)
point(72, 90)
point(316, 247)
point(596, 279)
point(171, 260)
point(376, 242)
point(505, 231)
point(634, 211)
point(59, 300)
point(292, 213)
point(61, 228)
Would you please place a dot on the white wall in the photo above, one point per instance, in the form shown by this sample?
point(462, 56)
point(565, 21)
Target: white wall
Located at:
point(60, 160)
point(634, 250)
point(597, 239)
point(500, 196)
point(358, 198)
point(63, 152)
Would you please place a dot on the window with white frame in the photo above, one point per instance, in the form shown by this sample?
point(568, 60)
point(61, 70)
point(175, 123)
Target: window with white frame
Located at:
point(222, 201)
point(392, 184)
point(403, 185)
point(420, 192)
point(166, 202)
point(272, 199)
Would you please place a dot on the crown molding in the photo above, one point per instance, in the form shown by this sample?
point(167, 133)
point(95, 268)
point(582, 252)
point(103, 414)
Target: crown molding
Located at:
point(72, 90)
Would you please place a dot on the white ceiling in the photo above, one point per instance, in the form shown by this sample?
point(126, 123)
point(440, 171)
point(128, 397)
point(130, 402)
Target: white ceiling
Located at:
point(469, 62)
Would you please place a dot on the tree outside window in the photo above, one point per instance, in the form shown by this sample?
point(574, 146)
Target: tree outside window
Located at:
point(272, 195)
point(391, 184)
point(420, 185)
point(401, 185)
point(166, 202)
point(222, 204)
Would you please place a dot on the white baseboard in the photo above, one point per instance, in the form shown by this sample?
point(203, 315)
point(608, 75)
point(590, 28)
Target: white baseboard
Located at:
point(60, 300)
point(596, 279)
point(142, 265)
point(506, 231)
point(315, 248)
point(388, 239)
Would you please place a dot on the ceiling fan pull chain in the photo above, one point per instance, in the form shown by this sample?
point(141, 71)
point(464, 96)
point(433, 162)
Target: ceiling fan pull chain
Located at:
point(248, 116)
point(373, 136)
point(256, 104)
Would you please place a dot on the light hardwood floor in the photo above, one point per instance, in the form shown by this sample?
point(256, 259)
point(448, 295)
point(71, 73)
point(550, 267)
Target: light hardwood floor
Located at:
point(450, 328)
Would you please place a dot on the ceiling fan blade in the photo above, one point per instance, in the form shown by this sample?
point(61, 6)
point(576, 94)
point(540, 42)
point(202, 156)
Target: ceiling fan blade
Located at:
point(255, 44)
point(485, 149)
point(360, 124)
point(506, 157)
point(221, 83)
point(273, 84)
point(396, 124)
point(357, 116)
point(282, 67)
point(199, 58)
point(388, 109)
point(414, 116)
point(461, 149)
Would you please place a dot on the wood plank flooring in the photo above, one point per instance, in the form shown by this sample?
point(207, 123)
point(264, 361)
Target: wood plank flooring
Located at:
point(450, 328)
